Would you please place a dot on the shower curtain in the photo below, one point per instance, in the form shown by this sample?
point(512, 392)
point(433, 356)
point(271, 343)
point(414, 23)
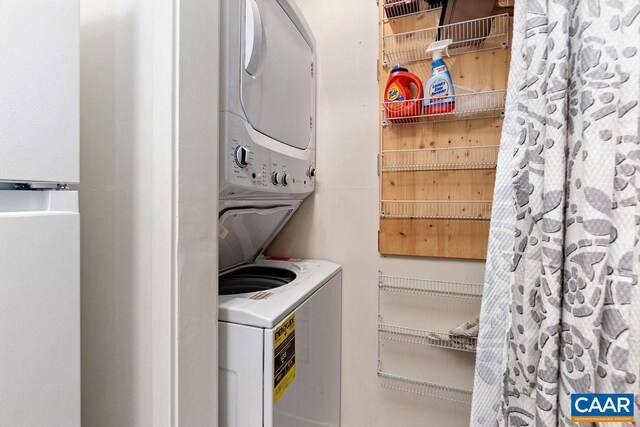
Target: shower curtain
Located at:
point(561, 306)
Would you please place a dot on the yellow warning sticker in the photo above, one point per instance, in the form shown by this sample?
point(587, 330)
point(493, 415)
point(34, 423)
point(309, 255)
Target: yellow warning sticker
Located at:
point(284, 357)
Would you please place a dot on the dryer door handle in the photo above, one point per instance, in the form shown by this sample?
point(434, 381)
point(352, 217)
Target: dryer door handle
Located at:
point(253, 33)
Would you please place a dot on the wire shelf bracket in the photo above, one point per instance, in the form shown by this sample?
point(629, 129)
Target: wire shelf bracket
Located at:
point(436, 209)
point(476, 35)
point(396, 9)
point(425, 388)
point(436, 288)
point(389, 332)
point(428, 338)
point(474, 105)
point(449, 158)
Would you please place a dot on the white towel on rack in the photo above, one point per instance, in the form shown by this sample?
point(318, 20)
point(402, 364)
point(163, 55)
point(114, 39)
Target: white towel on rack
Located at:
point(467, 329)
point(494, 317)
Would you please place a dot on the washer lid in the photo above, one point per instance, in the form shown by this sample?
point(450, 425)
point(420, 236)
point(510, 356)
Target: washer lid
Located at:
point(245, 232)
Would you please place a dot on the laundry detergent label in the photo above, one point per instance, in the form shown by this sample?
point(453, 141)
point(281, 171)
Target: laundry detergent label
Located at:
point(284, 357)
point(394, 94)
point(440, 69)
point(439, 89)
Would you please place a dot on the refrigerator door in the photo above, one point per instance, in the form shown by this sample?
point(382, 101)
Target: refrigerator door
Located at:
point(39, 309)
point(39, 91)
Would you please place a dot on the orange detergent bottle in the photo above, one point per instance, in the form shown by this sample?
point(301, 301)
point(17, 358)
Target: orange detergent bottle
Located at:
point(404, 94)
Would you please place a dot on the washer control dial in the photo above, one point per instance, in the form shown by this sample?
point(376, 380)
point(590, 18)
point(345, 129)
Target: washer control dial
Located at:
point(284, 179)
point(275, 178)
point(241, 156)
point(311, 172)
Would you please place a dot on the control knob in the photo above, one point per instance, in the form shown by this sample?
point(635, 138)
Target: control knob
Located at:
point(284, 179)
point(311, 172)
point(241, 156)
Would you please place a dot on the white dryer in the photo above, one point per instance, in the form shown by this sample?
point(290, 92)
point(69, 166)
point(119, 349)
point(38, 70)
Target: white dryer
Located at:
point(267, 144)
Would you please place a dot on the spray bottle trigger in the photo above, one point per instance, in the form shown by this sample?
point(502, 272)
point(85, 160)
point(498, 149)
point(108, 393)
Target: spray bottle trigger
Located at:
point(436, 48)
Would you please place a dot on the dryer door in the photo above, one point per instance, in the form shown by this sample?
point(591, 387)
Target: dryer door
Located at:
point(277, 78)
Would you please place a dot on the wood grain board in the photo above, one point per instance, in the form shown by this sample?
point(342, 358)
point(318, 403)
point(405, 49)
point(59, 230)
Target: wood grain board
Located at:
point(439, 185)
point(484, 70)
point(425, 237)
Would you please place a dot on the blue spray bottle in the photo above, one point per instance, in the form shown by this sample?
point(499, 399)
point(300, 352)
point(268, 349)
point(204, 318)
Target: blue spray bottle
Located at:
point(439, 93)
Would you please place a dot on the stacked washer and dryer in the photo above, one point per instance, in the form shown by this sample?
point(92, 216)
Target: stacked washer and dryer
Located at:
point(279, 320)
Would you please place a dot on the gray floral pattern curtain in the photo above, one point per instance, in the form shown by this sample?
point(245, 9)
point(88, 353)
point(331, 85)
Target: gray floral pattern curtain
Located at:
point(561, 310)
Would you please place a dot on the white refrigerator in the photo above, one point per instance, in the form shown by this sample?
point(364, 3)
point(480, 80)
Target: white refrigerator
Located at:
point(39, 219)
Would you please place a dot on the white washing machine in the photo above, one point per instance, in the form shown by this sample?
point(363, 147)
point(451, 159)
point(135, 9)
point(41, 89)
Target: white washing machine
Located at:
point(279, 327)
point(280, 345)
point(280, 321)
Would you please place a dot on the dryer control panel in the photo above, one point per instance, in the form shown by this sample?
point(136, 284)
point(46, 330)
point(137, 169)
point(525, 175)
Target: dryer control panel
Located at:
point(253, 165)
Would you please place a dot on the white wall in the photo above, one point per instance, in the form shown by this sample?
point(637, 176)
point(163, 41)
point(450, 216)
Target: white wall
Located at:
point(148, 202)
point(340, 222)
point(197, 296)
point(116, 143)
